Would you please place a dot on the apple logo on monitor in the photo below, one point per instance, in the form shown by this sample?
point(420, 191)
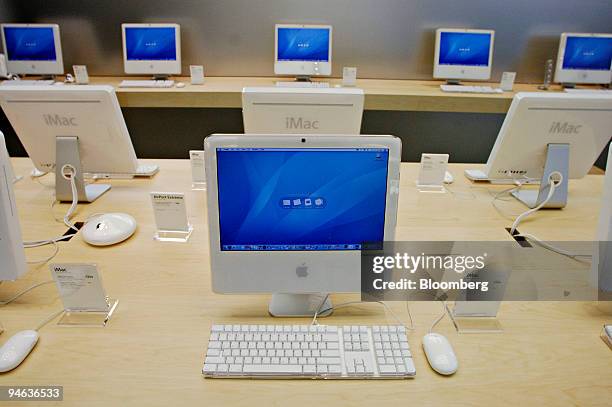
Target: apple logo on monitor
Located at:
point(302, 271)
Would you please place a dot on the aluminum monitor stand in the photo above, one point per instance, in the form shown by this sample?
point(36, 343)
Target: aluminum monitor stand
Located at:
point(67, 153)
point(299, 305)
point(557, 159)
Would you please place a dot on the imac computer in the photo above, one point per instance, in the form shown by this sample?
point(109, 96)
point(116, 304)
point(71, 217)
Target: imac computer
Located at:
point(584, 58)
point(33, 49)
point(302, 111)
point(13, 263)
point(151, 49)
point(289, 214)
point(463, 54)
point(545, 133)
point(303, 50)
point(76, 129)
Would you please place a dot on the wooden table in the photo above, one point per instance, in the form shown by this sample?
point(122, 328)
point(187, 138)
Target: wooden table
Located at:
point(152, 350)
point(380, 94)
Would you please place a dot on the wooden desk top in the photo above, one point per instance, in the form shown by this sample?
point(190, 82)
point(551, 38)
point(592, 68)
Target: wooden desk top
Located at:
point(403, 95)
point(151, 353)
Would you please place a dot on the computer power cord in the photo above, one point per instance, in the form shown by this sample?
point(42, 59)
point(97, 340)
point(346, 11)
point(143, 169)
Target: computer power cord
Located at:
point(46, 259)
point(554, 180)
point(546, 245)
point(21, 293)
point(69, 173)
point(48, 319)
point(437, 320)
point(553, 183)
point(346, 304)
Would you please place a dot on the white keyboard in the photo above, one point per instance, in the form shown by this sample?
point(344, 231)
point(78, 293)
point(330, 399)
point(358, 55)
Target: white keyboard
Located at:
point(146, 170)
point(308, 351)
point(299, 84)
point(143, 170)
point(29, 82)
point(146, 84)
point(469, 89)
point(596, 91)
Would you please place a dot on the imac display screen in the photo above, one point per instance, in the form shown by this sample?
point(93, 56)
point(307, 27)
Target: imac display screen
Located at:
point(467, 49)
point(29, 43)
point(303, 44)
point(150, 43)
point(301, 199)
point(589, 53)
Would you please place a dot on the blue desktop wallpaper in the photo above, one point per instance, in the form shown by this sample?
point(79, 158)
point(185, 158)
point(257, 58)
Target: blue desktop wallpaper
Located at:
point(301, 199)
point(303, 44)
point(469, 49)
point(150, 43)
point(30, 43)
point(588, 53)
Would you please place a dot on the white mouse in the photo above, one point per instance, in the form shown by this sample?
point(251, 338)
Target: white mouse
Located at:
point(180, 85)
point(108, 229)
point(440, 354)
point(448, 178)
point(16, 349)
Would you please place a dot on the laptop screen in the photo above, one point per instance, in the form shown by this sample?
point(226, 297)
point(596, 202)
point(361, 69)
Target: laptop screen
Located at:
point(301, 198)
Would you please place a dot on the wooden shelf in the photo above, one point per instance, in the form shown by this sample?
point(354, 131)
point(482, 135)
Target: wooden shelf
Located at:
point(398, 95)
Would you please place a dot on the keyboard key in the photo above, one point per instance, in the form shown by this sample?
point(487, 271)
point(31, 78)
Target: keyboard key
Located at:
point(384, 369)
point(214, 359)
point(279, 369)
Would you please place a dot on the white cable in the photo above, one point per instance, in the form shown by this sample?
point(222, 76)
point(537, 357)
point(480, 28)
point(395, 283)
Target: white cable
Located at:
point(551, 247)
point(345, 304)
point(553, 185)
point(69, 173)
point(47, 259)
point(48, 319)
point(314, 318)
point(437, 321)
point(27, 290)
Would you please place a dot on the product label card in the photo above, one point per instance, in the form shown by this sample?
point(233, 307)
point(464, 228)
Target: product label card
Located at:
point(80, 74)
point(197, 74)
point(507, 81)
point(198, 171)
point(349, 76)
point(170, 211)
point(433, 167)
point(80, 286)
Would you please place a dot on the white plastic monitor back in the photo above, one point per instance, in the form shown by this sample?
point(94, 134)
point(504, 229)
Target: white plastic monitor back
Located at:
point(534, 120)
point(90, 112)
point(580, 75)
point(444, 71)
point(602, 260)
point(36, 67)
point(277, 271)
point(302, 110)
point(7, 159)
point(303, 68)
point(156, 67)
point(12, 257)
